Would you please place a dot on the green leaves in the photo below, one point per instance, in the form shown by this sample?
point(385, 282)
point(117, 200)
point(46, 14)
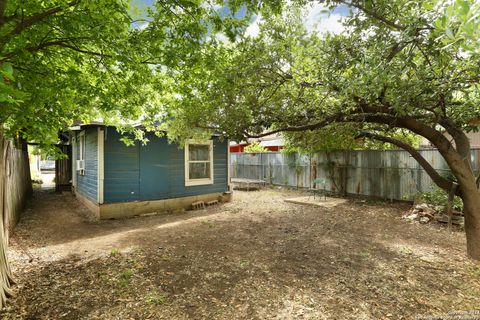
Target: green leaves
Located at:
point(255, 147)
point(89, 60)
point(459, 23)
point(391, 63)
point(6, 71)
point(9, 94)
point(100, 60)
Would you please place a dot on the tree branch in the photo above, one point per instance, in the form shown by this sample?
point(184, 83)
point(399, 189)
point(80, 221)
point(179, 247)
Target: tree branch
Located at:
point(34, 19)
point(396, 49)
point(65, 43)
point(462, 144)
point(373, 14)
point(444, 146)
point(364, 113)
point(3, 6)
point(318, 125)
point(92, 53)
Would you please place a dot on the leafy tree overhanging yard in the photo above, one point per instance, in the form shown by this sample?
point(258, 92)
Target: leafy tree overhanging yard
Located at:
point(64, 61)
point(399, 68)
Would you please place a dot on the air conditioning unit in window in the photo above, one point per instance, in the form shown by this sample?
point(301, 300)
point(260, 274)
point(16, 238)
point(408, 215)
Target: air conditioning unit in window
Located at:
point(81, 166)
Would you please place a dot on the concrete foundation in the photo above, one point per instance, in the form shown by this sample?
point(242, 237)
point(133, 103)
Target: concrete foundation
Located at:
point(135, 208)
point(319, 201)
point(88, 203)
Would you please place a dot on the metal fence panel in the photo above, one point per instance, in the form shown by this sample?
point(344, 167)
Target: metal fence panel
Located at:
point(389, 174)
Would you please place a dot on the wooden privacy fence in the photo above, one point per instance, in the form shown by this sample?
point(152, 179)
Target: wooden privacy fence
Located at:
point(388, 174)
point(15, 187)
point(16, 180)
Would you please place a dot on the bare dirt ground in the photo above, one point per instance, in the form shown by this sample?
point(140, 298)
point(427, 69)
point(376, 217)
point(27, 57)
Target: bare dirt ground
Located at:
point(255, 258)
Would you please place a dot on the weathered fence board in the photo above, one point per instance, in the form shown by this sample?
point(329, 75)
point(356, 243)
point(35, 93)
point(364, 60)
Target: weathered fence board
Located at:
point(388, 174)
point(18, 184)
point(15, 186)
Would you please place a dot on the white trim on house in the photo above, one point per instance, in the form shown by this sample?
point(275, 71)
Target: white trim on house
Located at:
point(197, 182)
point(100, 164)
point(74, 161)
point(81, 154)
point(228, 166)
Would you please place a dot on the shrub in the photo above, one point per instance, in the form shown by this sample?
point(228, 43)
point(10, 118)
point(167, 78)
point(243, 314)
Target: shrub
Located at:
point(439, 197)
point(255, 147)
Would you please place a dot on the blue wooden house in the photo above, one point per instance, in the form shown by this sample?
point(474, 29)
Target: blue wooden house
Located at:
point(116, 180)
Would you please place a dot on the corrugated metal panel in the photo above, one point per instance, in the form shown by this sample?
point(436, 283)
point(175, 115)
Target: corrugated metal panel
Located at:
point(474, 138)
point(390, 174)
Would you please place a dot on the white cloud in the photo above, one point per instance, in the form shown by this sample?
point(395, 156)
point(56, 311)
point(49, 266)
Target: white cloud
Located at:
point(319, 20)
point(314, 13)
point(209, 5)
point(254, 29)
point(332, 24)
point(143, 26)
point(221, 37)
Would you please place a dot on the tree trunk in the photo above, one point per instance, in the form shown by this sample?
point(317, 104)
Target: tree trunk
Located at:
point(461, 167)
point(471, 210)
point(5, 275)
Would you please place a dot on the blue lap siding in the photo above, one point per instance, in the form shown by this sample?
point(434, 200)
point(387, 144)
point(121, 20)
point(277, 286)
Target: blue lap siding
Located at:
point(156, 170)
point(87, 184)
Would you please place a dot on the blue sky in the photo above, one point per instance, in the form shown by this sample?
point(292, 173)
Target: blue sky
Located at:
point(141, 5)
point(144, 2)
point(225, 10)
point(316, 18)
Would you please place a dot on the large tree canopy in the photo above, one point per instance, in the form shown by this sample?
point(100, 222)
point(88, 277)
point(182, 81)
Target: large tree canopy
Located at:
point(288, 79)
point(63, 61)
point(400, 66)
point(67, 60)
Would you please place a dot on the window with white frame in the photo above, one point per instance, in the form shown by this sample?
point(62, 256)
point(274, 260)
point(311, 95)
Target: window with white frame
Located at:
point(198, 163)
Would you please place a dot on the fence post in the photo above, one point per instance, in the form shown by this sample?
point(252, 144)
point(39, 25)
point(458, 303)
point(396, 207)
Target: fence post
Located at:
point(345, 172)
point(262, 169)
point(295, 169)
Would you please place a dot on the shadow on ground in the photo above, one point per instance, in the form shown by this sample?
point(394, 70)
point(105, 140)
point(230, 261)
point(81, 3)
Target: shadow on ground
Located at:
point(255, 258)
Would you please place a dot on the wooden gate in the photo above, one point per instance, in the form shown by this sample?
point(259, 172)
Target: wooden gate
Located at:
point(63, 170)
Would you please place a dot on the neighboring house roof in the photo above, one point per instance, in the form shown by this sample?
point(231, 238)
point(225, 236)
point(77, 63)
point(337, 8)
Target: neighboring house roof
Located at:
point(474, 138)
point(268, 141)
point(81, 126)
point(234, 143)
point(271, 143)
